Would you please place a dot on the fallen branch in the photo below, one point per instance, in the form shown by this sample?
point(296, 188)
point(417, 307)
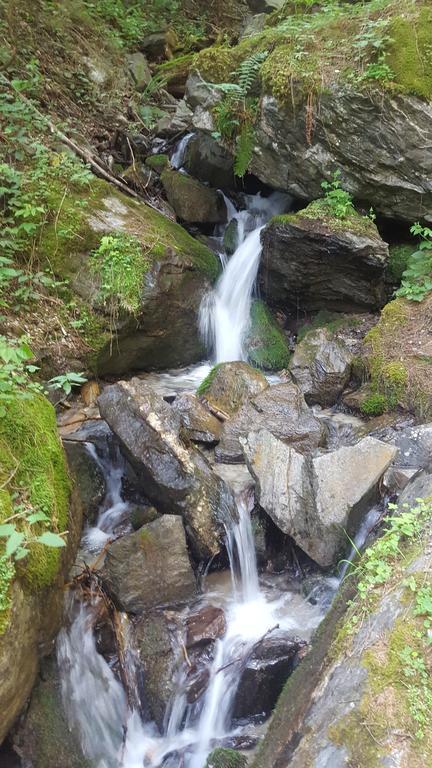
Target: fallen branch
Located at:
point(244, 659)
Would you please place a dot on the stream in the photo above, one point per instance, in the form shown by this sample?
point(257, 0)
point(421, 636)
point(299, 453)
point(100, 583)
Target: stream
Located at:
point(113, 727)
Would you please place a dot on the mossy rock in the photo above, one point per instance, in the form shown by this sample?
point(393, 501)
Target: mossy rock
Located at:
point(410, 52)
point(193, 201)
point(157, 163)
point(229, 385)
point(266, 343)
point(226, 758)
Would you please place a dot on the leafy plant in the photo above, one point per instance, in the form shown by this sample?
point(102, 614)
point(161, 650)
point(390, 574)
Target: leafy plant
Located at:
point(374, 405)
point(23, 529)
point(15, 371)
point(338, 200)
point(66, 381)
point(417, 278)
point(122, 265)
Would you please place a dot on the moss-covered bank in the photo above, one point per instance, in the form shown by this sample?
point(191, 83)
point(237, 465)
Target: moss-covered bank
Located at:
point(266, 344)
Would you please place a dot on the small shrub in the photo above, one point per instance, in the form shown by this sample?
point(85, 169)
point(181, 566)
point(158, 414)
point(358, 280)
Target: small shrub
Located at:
point(121, 264)
point(338, 201)
point(374, 405)
point(417, 278)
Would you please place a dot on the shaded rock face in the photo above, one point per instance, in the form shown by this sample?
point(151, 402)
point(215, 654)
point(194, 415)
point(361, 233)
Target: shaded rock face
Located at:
point(199, 424)
point(150, 567)
point(318, 719)
point(207, 161)
point(88, 475)
point(230, 385)
point(282, 410)
point(192, 201)
point(177, 480)
point(265, 674)
point(321, 367)
point(311, 265)
point(393, 173)
point(205, 626)
point(155, 648)
point(315, 500)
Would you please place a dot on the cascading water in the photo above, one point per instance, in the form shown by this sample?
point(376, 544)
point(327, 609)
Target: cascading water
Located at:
point(178, 155)
point(225, 312)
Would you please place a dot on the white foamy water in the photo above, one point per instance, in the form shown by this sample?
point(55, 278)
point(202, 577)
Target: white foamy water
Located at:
point(178, 156)
point(225, 312)
point(114, 509)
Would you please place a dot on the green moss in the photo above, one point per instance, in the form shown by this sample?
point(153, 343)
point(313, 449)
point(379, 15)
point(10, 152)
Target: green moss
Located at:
point(157, 163)
point(33, 466)
point(226, 758)
point(410, 52)
point(398, 260)
point(208, 381)
point(319, 211)
point(333, 321)
point(266, 343)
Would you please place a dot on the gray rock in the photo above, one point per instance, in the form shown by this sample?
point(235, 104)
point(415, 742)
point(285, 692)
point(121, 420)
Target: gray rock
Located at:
point(230, 385)
point(139, 70)
point(321, 367)
point(177, 480)
point(140, 516)
point(198, 423)
point(394, 173)
point(193, 201)
point(205, 626)
point(415, 447)
point(317, 501)
point(419, 488)
point(88, 476)
point(230, 239)
point(154, 644)
point(265, 673)
point(150, 567)
point(206, 160)
point(307, 263)
point(282, 410)
point(174, 124)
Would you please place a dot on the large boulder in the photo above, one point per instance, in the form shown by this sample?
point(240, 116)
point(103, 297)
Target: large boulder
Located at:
point(282, 410)
point(207, 161)
point(229, 385)
point(321, 367)
point(361, 696)
point(174, 272)
point(150, 567)
point(193, 201)
point(176, 479)
point(320, 262)
point(88, 475)
point(318, 501)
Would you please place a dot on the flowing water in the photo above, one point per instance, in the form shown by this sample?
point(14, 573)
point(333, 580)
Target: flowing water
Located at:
point(225, 312)
point(178, 156)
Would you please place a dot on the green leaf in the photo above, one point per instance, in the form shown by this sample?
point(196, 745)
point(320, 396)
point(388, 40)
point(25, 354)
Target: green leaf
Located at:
point(36, 517)
point(14, 542)
point(6, 529)
point(51, 539)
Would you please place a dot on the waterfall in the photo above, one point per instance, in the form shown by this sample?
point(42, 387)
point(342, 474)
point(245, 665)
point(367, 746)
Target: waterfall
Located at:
point(178, 156)
point(225, 312)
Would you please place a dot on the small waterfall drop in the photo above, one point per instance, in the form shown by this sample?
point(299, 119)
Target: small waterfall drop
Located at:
point(225, 312)
point(178, 156)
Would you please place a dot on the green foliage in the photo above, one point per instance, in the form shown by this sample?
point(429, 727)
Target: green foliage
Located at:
point(15, 372)
point(121, 264)
point(67, 381)
point(338, 201)
point(235, 114)
point(417, 277)
point(226, 758)
point(399, 256)
point(24, 529)
point(374, 405)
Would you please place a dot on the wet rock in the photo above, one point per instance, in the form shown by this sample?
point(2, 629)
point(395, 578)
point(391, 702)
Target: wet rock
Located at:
point(139, 70)
point(88, 475)
point(321, 367)
point(177, 480)
point(265, 674)
point(230, 238)
point(229, 385)
point(419, 488)
point(266, 343)
point(44, 738)
point(199, 424)
point(155, 647)
point(205, 626)
point(140, 516)
point(282, 410)
point(315, 500)
point(316, 264)
point(207, 161)
point(150, 567)
point(415, 447)
point(192, 201)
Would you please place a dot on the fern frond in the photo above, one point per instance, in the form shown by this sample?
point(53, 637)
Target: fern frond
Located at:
point(244, 149)
point(248, 70)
